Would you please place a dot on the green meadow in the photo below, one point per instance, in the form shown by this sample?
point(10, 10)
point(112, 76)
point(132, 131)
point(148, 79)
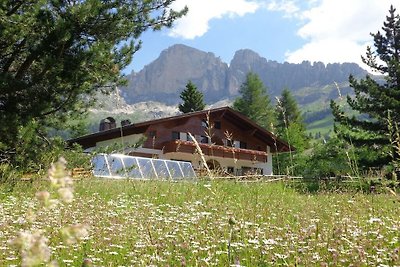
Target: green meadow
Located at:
point(204, 223)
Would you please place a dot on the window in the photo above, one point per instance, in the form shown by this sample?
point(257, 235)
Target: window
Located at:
point(230, 170)
point(217, 125)
point(204, 139)
point(183, 136)
point(204, 124)
point(175, 135)
point(246, 171)
point(229, 143)
point(243, 145)
point(236, 144)
point(152, 134)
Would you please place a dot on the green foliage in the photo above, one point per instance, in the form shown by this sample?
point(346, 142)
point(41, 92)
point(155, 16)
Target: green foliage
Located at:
point(328, 159)
point(368, 131)
point(55, 54)
point(290, 127)
point(192, 99)
point(287, 112)
point(254, 101)
point(8, 175)
point(289, 121)
point(34, 151)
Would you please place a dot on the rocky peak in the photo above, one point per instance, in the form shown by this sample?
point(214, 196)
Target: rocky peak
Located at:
point(245, 55)
point(164, 79)
point(167, 76)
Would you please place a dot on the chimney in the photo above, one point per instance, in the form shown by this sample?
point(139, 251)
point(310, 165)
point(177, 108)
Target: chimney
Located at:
point(125, 122)
point(107, 124)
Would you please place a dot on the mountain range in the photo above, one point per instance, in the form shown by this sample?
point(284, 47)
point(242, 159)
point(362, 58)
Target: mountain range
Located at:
point(154, 91)
point(163, 79)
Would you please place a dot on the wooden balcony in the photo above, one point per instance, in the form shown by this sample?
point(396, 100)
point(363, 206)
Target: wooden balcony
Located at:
point(215, 150)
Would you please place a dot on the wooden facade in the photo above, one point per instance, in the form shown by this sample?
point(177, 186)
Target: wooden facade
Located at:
point(224, 136)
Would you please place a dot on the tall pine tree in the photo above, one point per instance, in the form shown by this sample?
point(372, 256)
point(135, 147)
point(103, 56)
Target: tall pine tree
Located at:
point(287, 112)
point(192, 99)
point(376, 103)
point(289, 121)
point(290, 127)
point(254, 101)
point(54, 55)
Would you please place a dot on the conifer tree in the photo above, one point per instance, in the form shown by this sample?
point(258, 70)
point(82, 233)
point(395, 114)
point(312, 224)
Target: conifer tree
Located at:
point(55, 54)
point(287, 112)
point(289, 121)
point(377, 103)
point(290, 127)
point(192, 99)
point(254, 101)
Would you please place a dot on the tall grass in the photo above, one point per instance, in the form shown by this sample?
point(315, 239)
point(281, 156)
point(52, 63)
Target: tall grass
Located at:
point(208, 223)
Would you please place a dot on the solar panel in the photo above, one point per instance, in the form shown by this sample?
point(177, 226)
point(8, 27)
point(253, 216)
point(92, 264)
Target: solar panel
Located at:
point(119, 166)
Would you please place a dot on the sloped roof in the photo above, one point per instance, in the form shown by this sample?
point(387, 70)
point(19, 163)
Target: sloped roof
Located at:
point(227, 113)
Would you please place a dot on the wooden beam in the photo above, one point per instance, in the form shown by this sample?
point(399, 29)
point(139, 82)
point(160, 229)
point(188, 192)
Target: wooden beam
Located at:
point(252, 132)
point(222, 114)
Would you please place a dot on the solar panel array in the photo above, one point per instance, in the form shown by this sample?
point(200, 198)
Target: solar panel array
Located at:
point(122, 166)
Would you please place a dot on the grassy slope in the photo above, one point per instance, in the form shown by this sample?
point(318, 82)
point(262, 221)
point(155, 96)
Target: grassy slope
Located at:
point(209, 224)
point(316, 110)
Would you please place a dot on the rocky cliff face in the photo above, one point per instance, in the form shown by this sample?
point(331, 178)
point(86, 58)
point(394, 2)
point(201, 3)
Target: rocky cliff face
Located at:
point(164, 79)
point(167, 76)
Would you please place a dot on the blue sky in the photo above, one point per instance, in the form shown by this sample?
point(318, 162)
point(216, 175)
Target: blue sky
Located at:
point(282, 30)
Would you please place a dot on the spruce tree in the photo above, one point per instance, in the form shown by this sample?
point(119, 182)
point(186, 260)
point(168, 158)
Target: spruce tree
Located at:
point(290, 127)
point(192, 99)
point(287, 112)
point(254, 101)
point(289, 121)
point(376, 104)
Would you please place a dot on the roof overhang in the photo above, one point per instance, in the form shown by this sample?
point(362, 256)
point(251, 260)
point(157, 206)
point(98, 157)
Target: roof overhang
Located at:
point(234, 117)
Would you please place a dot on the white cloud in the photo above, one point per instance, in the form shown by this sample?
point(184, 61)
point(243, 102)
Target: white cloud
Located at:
point(288, 7)
point(196, 22)
point(339, 30)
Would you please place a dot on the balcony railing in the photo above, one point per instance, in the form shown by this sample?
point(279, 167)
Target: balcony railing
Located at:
point(215, 150)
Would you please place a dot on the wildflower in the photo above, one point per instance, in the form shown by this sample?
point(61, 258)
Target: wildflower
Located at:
point(33, 248)
point(30, 215)
point(373, 220)
point(43, 197)
point(183, 261)
point(253, 241)
point(74, 233)
point(66, 194)
point(269, 242)
point(58, 175)
point(87, 263)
